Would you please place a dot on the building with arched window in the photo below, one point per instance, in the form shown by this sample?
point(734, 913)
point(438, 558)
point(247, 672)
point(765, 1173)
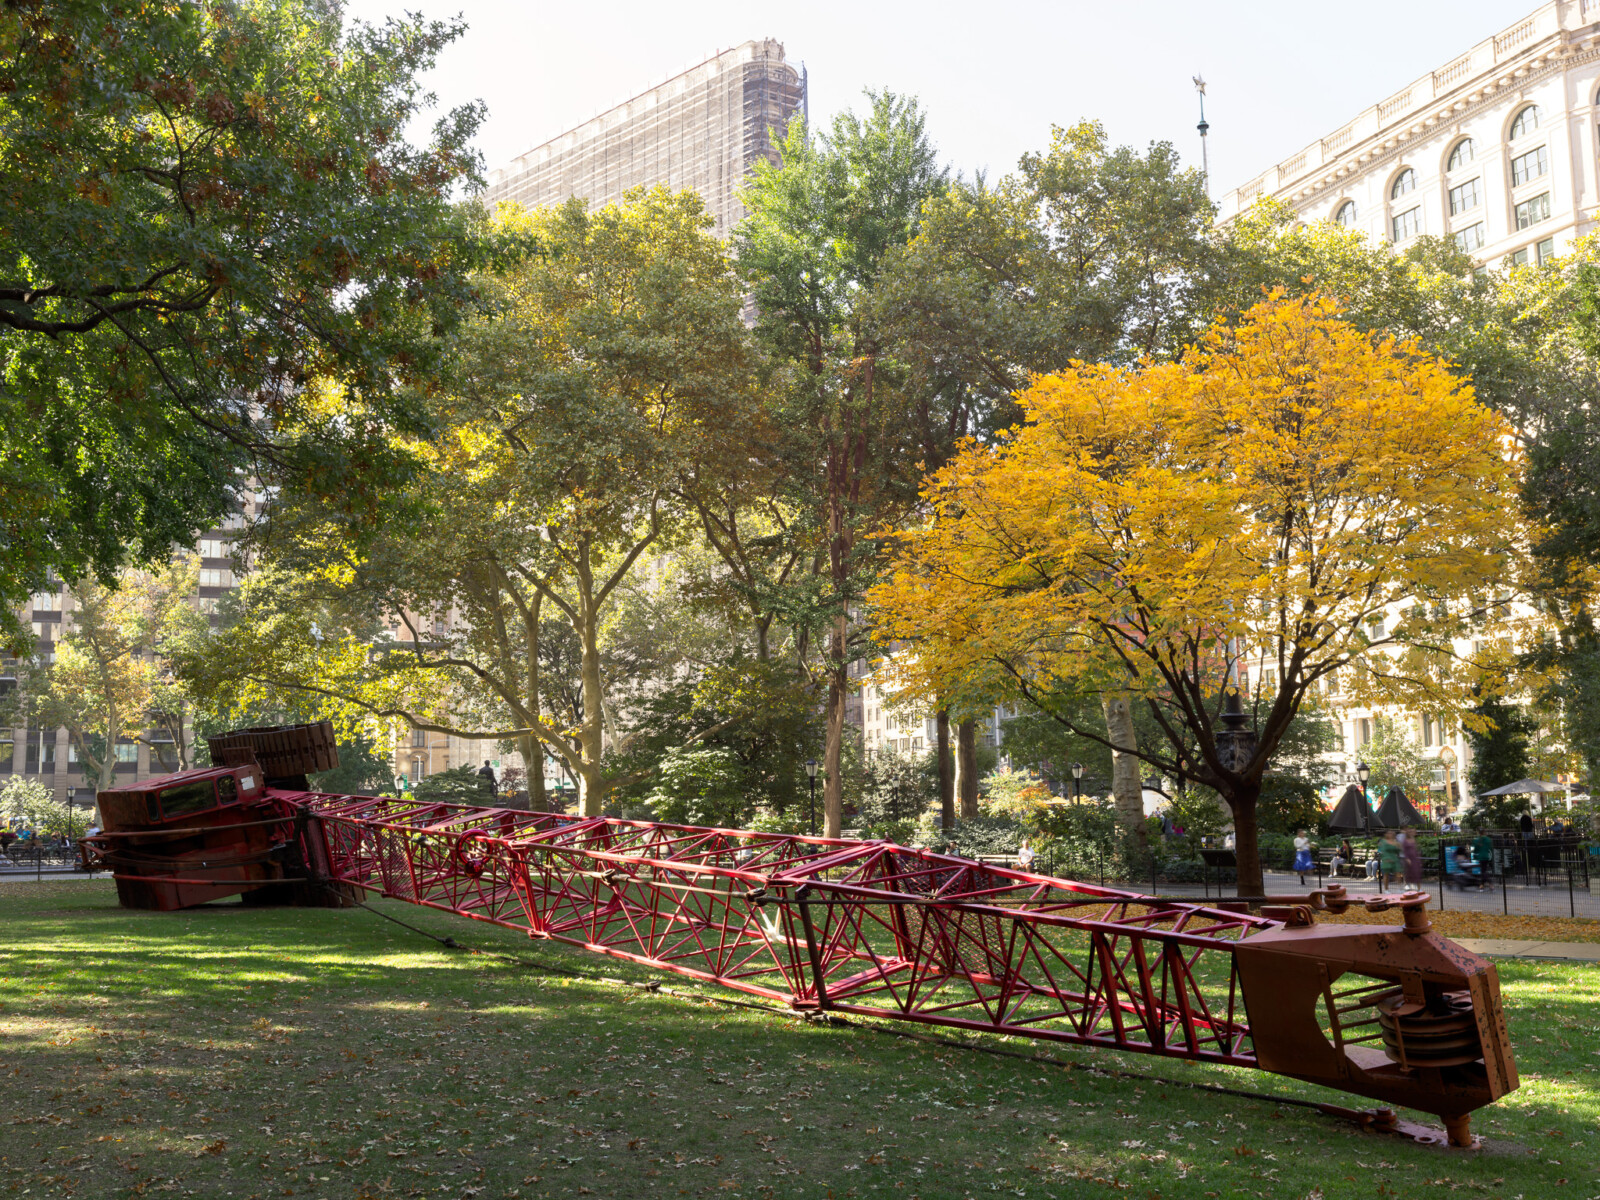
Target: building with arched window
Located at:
point(1498, 149)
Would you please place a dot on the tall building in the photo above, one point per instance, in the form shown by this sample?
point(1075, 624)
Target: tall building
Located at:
point(1498, 148)
point(704, 129)
point(48, 755)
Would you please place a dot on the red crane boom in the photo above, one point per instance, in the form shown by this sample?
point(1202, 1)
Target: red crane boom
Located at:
point(1396, 1014)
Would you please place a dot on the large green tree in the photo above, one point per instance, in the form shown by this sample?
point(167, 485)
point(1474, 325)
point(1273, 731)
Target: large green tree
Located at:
point(605, 367)
point(207, 206)
point(812, 250)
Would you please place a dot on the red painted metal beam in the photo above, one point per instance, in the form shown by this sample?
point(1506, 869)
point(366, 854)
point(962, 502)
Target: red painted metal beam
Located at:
point(872, 929)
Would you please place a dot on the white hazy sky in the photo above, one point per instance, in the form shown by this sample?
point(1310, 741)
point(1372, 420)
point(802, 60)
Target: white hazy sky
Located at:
point(993, 76)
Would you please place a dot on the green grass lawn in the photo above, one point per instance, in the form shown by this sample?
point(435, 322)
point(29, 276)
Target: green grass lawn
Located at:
point(233, 1052)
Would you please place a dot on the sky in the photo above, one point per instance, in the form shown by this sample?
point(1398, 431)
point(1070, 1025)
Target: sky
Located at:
point(993, 76)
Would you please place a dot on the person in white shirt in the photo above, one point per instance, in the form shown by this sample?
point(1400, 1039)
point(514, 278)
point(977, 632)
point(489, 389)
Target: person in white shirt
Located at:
point(1025, 856)
point(1302, 855)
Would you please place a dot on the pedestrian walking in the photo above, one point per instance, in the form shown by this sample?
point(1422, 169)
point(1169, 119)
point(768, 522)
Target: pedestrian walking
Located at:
point(1389, 865)
point(486, 774)
point(1411, 859)
point(1302, 855)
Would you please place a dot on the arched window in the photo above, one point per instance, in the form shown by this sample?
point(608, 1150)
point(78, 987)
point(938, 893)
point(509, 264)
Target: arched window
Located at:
point(1346, 215)
point(1407, 182)
point(1461, 155)
point(1525, 122)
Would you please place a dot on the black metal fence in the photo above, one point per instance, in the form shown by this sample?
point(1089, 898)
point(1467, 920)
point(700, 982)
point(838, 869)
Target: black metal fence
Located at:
point(1533, 875)
point(37, 856)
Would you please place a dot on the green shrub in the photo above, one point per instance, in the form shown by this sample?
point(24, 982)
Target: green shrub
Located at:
point(700, 786)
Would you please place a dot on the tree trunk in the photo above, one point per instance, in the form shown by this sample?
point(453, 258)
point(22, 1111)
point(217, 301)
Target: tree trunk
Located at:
point(532, 751)
point(108, 764)
point(833, 755)
point(947, 783)
point(1246, 848)
point(1126, 787)
point(591, 785)
point(591, 779)
point(967, 767)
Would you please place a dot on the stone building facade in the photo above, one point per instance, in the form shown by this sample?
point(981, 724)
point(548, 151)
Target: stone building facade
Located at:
point(1499, 148)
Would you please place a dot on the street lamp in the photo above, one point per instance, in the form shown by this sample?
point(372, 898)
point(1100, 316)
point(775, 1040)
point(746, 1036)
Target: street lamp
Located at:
point(811, 774)
point(1364, 773)
point(1077, 781)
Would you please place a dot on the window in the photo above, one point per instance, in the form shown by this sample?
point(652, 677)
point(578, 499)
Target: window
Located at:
point(416, 770)
point(1427, 730)
point(1347, 214)
point(47, 602)
point(209, 577)
point(1531, 212)
point(1531, 165)
point(1518, 258)
point(1363, 732)
point(208, 604)
point(1406, 182)
point(188, 798)
point(1269, 679)
point(1461, 155)
point(213, 548)
point(127, 752)
point(1409, 223)
point(1546, 250)
point(1526, 122)
point(419, 737)
point(1469, 239)
point(1464, 196)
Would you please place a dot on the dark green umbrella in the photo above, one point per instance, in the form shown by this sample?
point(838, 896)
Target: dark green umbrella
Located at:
point(1352, 814)
point(1396, 812)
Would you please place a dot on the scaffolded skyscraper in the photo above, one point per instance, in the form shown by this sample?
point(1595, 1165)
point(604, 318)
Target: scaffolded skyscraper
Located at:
point(704, 129)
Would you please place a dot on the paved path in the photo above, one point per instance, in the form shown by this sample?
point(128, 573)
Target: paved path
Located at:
point(1587, 952)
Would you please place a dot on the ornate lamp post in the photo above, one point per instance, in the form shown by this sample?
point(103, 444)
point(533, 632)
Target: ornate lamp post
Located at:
point(811, 774)
point(1077, 781)
point(1364, 773)
point(1236, 745)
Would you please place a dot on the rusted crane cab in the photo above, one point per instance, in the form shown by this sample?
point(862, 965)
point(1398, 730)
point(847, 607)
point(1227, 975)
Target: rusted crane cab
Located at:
point(185, 839)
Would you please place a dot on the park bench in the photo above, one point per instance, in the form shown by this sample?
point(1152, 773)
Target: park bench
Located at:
point(1354, 869)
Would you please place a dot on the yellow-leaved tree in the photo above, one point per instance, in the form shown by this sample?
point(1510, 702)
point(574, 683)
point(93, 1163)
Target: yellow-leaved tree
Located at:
point(1292, 501)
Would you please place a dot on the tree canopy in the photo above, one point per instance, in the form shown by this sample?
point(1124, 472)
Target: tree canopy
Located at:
point(1294, 492)
point(207, 208)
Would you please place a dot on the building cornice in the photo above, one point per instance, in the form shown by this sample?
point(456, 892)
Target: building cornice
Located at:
point(1552, 40)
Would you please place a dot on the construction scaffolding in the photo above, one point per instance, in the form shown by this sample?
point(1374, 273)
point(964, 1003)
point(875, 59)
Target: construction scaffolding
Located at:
point(702, 130)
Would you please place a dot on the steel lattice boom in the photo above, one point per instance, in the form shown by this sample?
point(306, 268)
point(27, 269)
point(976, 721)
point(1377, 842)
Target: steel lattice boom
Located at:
point(1398, 1014)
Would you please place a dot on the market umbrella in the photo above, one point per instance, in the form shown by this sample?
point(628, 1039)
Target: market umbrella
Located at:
point(1396, 812)
point(1525, 787)
point(1351, 814)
